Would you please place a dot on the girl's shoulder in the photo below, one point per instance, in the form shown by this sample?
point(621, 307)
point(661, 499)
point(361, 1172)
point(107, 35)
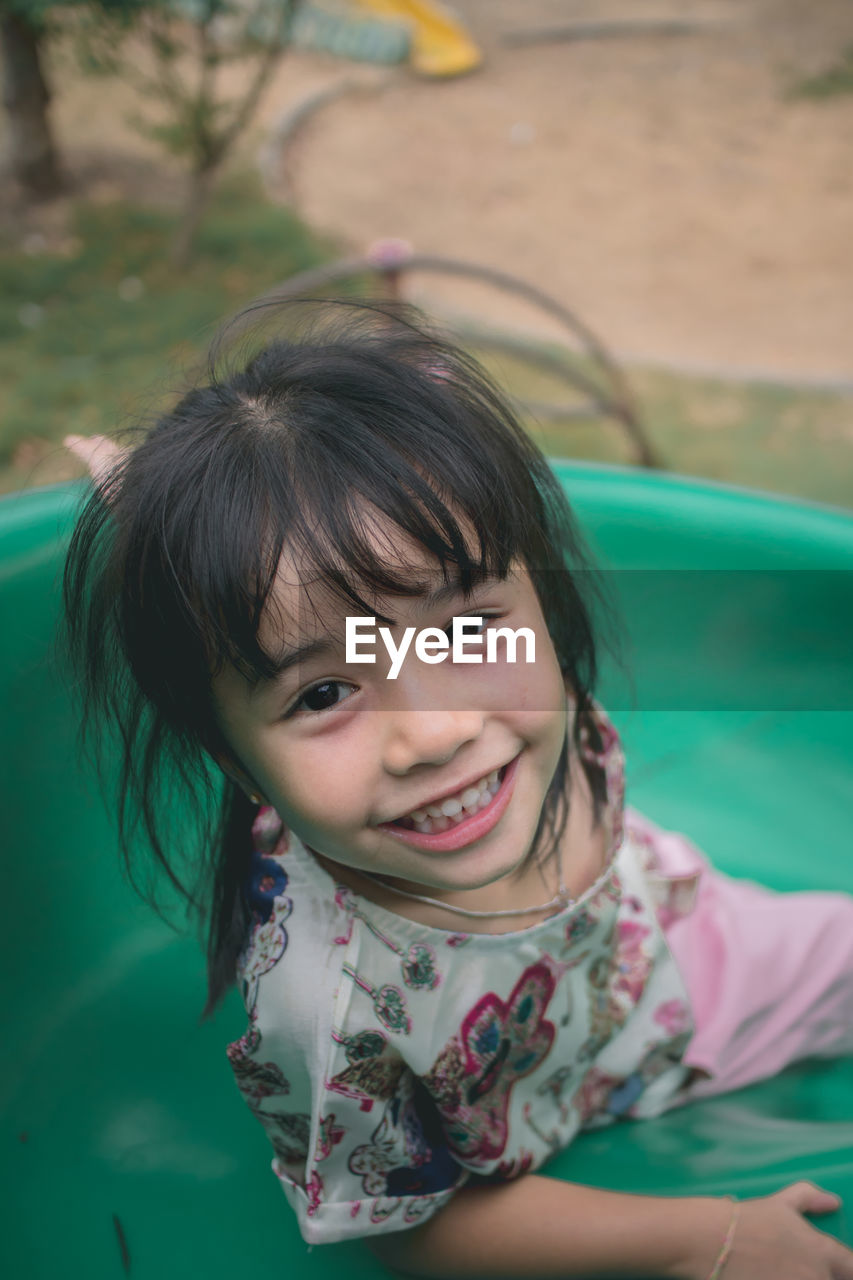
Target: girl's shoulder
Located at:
point(291, 927)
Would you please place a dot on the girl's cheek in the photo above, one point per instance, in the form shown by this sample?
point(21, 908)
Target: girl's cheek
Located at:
point(319, 780)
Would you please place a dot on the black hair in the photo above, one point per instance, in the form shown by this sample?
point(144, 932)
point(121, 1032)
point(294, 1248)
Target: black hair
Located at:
point(175, 553)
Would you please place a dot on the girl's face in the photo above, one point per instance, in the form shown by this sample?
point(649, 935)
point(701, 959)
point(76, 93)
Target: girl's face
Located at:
point(347, 756)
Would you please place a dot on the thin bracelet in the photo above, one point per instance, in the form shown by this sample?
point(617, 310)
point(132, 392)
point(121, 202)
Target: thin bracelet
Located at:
point(725, 1252)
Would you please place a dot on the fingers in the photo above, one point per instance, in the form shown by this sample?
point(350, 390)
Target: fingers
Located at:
point(99, 453)
point(805, 1197)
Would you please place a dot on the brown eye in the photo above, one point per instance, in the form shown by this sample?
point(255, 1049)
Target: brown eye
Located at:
point(322, 696)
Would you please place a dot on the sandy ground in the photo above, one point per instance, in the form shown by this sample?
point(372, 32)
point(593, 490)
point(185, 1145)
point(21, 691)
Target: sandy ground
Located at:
point(670, 189)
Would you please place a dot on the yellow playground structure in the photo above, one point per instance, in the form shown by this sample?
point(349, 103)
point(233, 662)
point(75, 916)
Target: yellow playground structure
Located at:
point(440, 45)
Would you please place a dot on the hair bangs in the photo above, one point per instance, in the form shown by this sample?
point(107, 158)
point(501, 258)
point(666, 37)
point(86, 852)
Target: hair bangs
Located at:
point(335, 488)
point(372, 542)
point(355, 539)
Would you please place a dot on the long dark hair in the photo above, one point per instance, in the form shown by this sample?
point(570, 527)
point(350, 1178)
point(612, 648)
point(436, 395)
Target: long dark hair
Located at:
point(174, 555)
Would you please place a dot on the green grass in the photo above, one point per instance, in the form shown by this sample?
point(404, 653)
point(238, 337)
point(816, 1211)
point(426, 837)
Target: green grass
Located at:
point(77, 356)
point(792, 440)
point(91, 360)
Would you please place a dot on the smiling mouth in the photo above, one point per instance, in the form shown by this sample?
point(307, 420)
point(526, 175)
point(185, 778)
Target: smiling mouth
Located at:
point(450, 832)
point(454, 809)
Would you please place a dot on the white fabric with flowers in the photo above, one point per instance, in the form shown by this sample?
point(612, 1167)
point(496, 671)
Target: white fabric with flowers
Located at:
point(388, 1061)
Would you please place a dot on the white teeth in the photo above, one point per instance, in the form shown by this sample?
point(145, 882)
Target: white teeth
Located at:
point(439, 817)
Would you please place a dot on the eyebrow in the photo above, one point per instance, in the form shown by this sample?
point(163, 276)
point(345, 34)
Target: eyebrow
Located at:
point(289, 657)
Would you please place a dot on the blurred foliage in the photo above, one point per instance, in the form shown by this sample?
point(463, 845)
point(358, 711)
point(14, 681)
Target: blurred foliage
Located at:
point(831, 82)
point(193, 110)
point(177, 60)
point(45, 15)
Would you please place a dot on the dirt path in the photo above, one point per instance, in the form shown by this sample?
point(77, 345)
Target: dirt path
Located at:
point(665, 187)
point(668, 188)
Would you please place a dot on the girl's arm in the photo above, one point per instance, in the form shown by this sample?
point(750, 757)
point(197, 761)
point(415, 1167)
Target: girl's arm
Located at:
point(541, 1227)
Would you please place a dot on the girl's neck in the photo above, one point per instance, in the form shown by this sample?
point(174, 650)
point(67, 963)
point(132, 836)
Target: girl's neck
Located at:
point(577, 865)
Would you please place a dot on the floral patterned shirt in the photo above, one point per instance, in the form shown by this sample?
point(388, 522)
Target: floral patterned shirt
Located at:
point(388, 1060)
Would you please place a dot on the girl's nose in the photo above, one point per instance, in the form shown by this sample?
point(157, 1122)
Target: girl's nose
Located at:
point(416, 736)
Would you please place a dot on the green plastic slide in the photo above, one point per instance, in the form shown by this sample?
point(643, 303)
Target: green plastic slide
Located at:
point(125, 1145)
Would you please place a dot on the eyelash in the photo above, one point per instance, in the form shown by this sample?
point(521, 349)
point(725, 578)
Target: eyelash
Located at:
point(295, 707)
point(487, 618)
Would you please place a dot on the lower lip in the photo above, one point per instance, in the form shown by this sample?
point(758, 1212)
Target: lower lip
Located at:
point(466, 831)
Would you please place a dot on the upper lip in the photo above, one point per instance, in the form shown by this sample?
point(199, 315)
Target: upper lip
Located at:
point(446, 793)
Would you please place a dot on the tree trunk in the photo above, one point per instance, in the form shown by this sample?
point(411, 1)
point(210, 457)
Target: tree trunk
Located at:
point(26, 97)
point(199, 191)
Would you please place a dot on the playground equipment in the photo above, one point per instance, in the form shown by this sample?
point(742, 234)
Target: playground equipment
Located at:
point(126, 1148)
point(425, 35)
point(440, 44)
point(582, 365)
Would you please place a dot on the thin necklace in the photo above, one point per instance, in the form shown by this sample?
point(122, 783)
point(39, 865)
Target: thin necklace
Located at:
point(562, 900)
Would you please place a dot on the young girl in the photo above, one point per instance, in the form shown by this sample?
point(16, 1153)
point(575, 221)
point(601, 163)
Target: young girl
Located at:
point(455, 948)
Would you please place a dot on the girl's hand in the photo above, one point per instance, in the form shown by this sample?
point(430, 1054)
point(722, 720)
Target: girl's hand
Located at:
point(98, 453)
point(773, 1239)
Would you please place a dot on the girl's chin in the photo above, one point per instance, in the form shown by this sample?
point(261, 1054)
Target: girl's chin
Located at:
point(467, 871)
